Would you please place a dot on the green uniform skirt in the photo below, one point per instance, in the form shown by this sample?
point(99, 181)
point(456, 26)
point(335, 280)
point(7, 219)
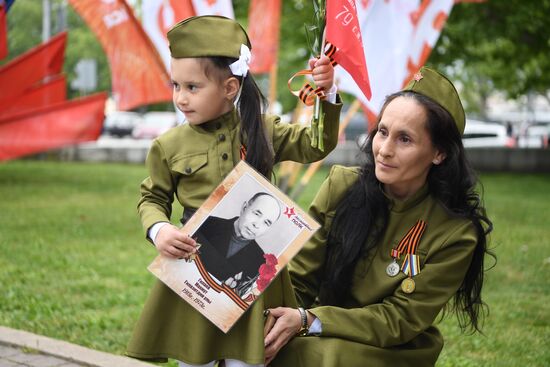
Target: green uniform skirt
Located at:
point(313, 351)
point(170, 328)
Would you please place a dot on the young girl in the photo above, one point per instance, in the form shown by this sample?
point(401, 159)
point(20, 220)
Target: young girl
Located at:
point(209, 71)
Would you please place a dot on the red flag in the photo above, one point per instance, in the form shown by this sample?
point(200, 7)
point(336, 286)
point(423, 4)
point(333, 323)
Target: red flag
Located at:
point(40, 95)
point(3, 31)
point(342, 31)
point(52, 127)
point(263, 29)
point(32, 66)
point(137, 73)
point(158, 17)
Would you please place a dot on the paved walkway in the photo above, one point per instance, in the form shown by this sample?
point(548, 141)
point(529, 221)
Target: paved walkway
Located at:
point(23, 349)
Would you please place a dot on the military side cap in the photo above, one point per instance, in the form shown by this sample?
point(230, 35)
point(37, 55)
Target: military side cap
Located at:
point(208, 35)
point(436, 86)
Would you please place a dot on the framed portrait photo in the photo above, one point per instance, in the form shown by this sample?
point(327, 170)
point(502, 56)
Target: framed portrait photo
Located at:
point(246, 232)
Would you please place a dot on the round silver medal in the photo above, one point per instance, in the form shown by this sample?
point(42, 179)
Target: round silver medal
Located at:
point(392, 269)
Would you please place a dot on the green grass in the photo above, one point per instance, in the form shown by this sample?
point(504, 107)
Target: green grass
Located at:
point(73, 260)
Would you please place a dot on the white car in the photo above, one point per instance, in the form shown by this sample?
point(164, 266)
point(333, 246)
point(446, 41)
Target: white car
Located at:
point(535, 136)
point(121, 123)
point(154, 124)
point(479, 134)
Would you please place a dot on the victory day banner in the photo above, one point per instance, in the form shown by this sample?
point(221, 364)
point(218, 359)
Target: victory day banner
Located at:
point(398, 36)
point(158, 17)
point(138, 74)
point(246, 232)
point(343, 31)
point(263, 32)
point(214, 7)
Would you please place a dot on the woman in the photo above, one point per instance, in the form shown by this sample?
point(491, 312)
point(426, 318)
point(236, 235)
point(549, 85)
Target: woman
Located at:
point(399, 238)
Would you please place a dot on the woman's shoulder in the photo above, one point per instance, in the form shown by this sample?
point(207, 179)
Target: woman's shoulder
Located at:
point(342, 177)
point(449, 225)
point(337, 184)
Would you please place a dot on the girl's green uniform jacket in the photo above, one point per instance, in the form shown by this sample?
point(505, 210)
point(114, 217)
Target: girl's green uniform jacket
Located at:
point(189, 162)
point(380, 324)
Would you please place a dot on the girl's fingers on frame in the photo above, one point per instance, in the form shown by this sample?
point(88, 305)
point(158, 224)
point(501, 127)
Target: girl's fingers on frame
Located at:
point(183, 237)
point(184, 246)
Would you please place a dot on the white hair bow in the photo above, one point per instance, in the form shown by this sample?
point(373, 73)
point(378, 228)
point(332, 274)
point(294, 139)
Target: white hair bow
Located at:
point(240, 67)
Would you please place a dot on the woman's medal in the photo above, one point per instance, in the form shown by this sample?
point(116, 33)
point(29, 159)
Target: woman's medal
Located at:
point(407, 285)
point(411, 263)
point(393, 268)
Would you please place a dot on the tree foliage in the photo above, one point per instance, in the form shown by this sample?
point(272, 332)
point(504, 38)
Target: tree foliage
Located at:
point(497, 45)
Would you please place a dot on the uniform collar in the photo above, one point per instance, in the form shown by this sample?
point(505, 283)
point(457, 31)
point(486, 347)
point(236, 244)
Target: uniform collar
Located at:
point(227, 120)
point(399, 206)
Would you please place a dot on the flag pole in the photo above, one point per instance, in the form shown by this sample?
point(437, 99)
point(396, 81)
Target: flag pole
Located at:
point(312, 169)
point(272, 97)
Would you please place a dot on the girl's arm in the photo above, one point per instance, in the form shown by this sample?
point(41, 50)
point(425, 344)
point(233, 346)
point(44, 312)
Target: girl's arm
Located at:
point(292, 142)
point(155, 205)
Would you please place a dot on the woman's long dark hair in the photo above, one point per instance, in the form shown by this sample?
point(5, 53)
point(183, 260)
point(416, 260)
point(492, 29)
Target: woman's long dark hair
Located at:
point(362, 215)
point(259, 152)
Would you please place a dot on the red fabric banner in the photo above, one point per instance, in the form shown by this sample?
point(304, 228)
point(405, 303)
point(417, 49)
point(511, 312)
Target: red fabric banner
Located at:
point(3, 31)
point(183, 9)
point(158, 17)
point(342, 30)
point(32, 66)
point(137, 73)
point(52, 127)
point(38, 96)
point(264, 19)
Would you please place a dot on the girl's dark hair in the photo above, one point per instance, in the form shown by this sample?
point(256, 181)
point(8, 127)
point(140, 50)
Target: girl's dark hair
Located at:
point(259, 152)
point(362, 215)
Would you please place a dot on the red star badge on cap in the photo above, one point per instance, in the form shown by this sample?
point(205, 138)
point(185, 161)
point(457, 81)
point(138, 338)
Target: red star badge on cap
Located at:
point(418, 76)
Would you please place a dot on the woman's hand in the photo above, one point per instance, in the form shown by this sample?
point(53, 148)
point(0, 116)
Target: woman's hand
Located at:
point(323, 72)
point(172, 243)
point(286, 327)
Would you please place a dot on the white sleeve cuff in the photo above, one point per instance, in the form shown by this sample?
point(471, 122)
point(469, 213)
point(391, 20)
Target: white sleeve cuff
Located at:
point(154, 230)
point(331, 94)
point(316, 327)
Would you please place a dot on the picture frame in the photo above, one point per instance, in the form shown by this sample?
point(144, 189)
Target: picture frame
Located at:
point(247, 230)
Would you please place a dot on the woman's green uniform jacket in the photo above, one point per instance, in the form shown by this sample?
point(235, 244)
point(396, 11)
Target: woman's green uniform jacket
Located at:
point(189, 162)
point(380, 325)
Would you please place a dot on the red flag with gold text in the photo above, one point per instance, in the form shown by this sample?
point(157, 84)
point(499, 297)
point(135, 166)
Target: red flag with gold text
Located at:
point(137, 73)
point(342, 31)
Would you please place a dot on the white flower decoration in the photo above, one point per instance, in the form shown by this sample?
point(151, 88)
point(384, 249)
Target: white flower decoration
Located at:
point(240, 67)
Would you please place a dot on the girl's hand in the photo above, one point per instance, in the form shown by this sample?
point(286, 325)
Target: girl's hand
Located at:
point(323, 72)
point(172, 243)
point(286, 327)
